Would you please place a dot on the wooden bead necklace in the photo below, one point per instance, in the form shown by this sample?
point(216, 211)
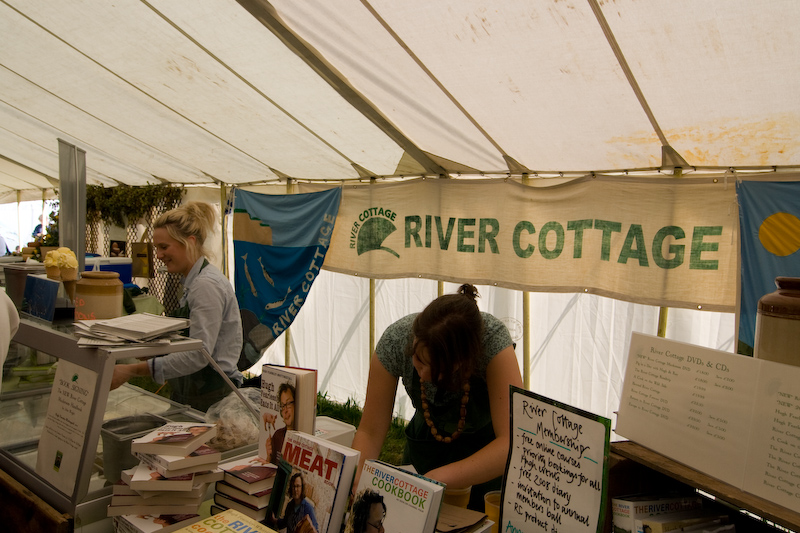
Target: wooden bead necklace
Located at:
point(427, 414)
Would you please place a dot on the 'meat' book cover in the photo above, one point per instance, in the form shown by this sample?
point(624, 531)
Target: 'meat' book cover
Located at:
point(318, 486)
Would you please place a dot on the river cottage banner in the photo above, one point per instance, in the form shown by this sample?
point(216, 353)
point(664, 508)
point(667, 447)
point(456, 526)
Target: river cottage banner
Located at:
point(657, 241)
point(280, 243)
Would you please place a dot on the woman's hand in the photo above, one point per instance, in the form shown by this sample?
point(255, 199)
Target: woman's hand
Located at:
point(122, 373)
point(377, 415)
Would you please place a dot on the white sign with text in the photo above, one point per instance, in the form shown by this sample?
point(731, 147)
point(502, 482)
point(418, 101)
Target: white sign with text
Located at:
point(555, 480)
point(64, 431)
point(730, 416)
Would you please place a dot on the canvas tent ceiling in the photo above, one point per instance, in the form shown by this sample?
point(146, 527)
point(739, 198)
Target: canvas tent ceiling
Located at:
point(220, 91)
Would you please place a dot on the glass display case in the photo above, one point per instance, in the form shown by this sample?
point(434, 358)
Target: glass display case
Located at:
point(112, 419)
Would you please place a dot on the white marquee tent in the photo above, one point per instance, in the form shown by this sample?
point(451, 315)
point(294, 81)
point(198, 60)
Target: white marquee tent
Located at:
point(219, 93)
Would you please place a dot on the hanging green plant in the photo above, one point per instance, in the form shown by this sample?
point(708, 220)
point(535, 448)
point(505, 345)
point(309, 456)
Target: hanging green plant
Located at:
point(50, 237)
point(122, 204)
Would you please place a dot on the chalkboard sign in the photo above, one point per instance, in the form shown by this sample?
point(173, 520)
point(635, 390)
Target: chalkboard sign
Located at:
point(557, 469)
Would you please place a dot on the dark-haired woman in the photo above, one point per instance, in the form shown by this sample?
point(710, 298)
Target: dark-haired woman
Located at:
point(456, 363)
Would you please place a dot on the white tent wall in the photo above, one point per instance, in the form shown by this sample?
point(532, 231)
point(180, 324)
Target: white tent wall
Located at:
point(578, 342)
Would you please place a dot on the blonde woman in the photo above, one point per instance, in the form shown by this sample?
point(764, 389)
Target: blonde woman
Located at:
point(208, 301)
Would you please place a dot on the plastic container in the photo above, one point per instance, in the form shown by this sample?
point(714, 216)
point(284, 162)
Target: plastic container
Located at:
point(117, 436)
point(491, 502)
point(334, 430)
point(778, 323)
point(457, 497)
point(120, 265)
point(98, 295)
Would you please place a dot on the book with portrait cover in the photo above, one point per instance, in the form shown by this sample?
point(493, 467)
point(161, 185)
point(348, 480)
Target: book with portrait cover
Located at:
point(251, 474)
point(256, 513)
point(288, 401)
point(319, 484)
point(412, 500)
point(146, 478)
point(164, 498)
point(203, 458)
point(152, 509)
point(174, 438)
point(257, 500)
point(147, 523)
point(121, 488)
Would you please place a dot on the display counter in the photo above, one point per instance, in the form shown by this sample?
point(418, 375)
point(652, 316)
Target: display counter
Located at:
point(24, 413)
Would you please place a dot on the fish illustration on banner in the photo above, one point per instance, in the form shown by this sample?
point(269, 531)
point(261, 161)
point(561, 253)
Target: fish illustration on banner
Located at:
point(770, 233)
point(279, 243)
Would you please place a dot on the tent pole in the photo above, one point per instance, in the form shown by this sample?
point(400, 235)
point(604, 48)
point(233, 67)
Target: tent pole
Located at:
point(662, 321)
point(371, 308)
point(371, 318)
point(677, 172)
point(526, 340)
point(526, 325)
point(19, 226)
point(287, 334)
point(223, 202)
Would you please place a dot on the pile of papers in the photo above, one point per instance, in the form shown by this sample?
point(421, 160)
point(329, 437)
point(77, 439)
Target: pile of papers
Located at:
point(142, 329)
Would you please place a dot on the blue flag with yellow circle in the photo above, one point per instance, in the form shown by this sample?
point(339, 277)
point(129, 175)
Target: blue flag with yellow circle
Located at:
point(770, 243)
point(279, 244)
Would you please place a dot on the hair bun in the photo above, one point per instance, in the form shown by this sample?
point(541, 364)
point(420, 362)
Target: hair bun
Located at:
point(469, 290)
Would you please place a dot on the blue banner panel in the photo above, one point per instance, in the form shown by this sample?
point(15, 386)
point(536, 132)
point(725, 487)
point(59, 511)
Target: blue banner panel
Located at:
point(279, 243)
point(770, 238)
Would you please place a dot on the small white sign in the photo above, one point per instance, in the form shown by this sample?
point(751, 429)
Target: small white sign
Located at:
point(64, 431)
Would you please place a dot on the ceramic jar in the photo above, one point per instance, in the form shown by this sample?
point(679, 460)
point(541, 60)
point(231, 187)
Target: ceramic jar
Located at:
point(98, 295)
point(778, 323)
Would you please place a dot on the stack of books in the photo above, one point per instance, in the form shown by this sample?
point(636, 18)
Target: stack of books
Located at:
point(141, 328)
point(640, 513)
point(173, 476)
point(145, 523)
point(246, 486)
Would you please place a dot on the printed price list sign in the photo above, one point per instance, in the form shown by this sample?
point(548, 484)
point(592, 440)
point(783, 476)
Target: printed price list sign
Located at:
point(741, 415)
point(677, 393)
point(557, 470)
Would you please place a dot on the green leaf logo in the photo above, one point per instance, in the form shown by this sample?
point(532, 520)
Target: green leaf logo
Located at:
point(374, 231)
